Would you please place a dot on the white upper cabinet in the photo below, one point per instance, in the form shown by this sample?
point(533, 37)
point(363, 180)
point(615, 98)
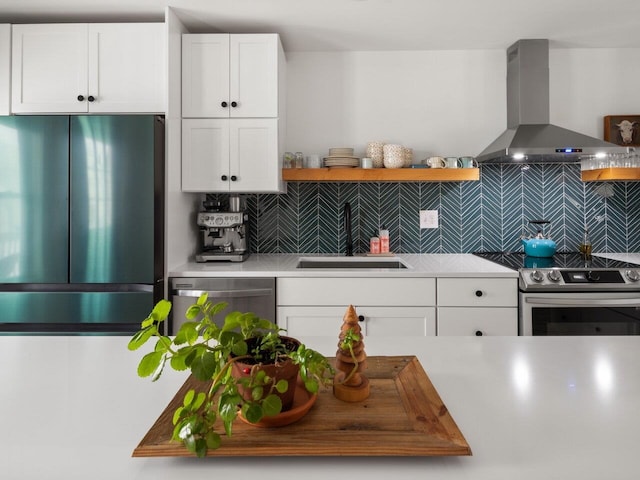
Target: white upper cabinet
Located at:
point(88, 68)
point(237, 155)
point(231, 75)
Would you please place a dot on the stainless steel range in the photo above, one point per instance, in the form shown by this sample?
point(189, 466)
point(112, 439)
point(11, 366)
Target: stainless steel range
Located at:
point(568, 294)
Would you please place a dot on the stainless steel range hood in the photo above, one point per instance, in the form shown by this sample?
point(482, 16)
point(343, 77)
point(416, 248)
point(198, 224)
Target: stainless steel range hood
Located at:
point(529, 137)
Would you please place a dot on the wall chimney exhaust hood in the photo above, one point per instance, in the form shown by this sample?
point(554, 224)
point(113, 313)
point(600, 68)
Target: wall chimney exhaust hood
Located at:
point(529, 137)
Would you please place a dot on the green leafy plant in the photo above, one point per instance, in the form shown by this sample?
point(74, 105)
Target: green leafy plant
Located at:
point(347, 344)
point(208, 351)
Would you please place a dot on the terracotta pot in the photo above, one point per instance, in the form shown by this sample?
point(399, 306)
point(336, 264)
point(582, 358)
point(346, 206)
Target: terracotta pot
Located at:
point(286, 370)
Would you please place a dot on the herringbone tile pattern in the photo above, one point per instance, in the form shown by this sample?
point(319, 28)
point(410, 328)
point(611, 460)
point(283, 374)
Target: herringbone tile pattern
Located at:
point(489, 215)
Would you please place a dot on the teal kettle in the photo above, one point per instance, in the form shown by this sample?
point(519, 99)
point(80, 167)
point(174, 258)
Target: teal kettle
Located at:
point(539, 244)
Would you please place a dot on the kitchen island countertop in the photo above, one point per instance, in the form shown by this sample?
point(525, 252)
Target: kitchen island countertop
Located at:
point(284, 265)
point(529, 407)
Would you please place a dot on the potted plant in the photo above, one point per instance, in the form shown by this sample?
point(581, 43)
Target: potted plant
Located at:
point(240, 360)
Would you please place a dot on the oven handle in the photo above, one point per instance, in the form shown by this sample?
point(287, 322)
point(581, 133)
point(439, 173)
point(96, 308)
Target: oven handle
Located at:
point(617, 302)
point(253, 292)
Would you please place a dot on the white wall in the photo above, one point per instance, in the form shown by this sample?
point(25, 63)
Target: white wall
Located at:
point(180, 229)
point(442, 102)
point(587, 84)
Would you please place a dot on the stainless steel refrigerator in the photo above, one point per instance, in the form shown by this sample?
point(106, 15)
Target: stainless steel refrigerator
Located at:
point(81, 222)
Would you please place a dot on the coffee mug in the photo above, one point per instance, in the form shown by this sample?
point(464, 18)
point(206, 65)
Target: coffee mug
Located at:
point(468, 162)
point(436, 162)
point(452, 162)
point(314, 161)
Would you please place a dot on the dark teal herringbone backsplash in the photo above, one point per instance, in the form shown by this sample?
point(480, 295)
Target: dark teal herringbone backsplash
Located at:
point(474, 216)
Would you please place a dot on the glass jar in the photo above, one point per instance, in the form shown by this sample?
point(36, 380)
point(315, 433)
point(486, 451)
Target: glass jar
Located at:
point(289, 159)
point(299, 160)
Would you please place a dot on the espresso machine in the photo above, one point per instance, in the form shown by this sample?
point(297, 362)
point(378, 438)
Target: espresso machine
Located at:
point(223, 233)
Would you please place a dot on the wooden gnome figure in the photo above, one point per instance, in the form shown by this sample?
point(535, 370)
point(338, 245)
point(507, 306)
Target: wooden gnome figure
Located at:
point(349, 383)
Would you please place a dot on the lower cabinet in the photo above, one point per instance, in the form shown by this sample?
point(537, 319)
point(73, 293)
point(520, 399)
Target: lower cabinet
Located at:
point(479, 321)
point(399, 307)
point(374, 321)
point(477, 306)
point(385, 306)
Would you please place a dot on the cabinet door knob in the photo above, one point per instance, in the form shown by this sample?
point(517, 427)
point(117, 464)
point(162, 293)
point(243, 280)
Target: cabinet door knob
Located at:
point(223, 178)
point(361, 318)
point(479, 333)
point(223, 104)
point(479, 293)
point(80, 98)
point(234, 104)
point(91, 98)
point(233, 178)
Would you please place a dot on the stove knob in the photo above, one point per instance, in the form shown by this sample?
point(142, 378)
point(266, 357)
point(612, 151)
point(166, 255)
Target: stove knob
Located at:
point(594, 276)
point(554, 276)
point(537, 276)
point(632, 275)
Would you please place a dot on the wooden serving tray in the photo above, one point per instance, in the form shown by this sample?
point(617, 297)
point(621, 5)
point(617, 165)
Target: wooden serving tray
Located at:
point(403, 416)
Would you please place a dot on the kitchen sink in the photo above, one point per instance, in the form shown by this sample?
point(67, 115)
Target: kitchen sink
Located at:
point(350, 262)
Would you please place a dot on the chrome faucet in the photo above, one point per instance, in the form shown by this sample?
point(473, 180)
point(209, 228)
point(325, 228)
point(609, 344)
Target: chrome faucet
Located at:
point(347, 229)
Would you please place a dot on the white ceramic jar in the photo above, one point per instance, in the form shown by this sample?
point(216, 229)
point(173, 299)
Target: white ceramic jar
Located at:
point(375, 151)
point(393, 155)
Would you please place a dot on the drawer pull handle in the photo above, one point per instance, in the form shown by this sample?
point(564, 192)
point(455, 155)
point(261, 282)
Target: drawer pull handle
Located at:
point(479, 333)
point(479, 293)
point(361, 318)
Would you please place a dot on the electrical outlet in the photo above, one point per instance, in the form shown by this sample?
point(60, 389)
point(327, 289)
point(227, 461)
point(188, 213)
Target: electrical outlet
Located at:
point(428, 219)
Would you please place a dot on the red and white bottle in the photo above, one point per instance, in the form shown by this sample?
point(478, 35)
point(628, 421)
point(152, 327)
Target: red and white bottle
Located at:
point(374, 245)
point(384, 239)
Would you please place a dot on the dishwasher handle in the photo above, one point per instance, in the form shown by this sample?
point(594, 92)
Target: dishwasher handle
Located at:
point(250, 292)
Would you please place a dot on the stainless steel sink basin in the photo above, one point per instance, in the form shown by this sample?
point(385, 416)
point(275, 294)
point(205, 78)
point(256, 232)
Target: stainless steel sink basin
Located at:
point(350, 262)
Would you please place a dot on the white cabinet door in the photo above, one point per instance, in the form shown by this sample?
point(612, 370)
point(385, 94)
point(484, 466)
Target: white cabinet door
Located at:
point(480, 321)
point(253, 74)
point(126, 67)
point(205, 155)
point(253, 155)
point(311, 321)
point(49, 68)
point(94, 68)
point(237, 155)
point(397, 321)
point(231, 76)
point(205, 75)
point(375, 321)
point(478, 292)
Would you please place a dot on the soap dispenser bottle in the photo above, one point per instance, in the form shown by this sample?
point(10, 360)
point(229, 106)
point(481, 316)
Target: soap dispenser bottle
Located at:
point(384, 239)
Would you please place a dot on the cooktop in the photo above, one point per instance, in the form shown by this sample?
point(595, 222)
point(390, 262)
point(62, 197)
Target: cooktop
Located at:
point(567, 260)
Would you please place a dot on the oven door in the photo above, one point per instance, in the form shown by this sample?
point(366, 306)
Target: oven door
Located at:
point(594, 313)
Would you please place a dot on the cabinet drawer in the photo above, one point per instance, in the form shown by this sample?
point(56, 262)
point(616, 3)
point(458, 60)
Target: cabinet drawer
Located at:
point(356, 291)
point(478, 292)
point(468, 321)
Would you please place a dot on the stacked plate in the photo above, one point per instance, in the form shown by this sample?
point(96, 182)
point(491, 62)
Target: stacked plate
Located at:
point(341, 158)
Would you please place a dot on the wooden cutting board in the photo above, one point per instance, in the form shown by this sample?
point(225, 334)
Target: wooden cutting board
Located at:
point(403, 416)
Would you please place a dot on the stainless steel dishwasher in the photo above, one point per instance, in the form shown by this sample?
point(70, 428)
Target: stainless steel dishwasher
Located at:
point(257, 295)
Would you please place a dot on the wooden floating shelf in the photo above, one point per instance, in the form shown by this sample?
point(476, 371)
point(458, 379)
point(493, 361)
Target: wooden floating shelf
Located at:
point(611, 174)
point(380, 174)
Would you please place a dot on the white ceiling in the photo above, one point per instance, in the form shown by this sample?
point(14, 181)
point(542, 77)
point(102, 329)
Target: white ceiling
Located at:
point(328, 25)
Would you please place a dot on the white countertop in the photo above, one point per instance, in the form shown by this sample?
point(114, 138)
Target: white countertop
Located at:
point(284, 265)
point(529, 407)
